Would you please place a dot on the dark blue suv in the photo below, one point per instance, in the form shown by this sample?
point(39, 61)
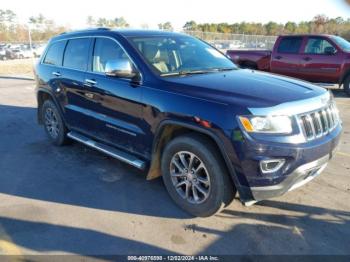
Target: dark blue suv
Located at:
point(175, 106)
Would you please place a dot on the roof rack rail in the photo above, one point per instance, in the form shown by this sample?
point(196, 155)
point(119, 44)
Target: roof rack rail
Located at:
point(103, 28)
point(88, 29)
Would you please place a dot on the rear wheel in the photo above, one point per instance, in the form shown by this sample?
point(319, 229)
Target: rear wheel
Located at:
point(53, 123)
point(195, 175)
point(346, 85)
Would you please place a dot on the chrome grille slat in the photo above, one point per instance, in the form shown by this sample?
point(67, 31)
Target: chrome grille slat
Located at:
point(324, 114)
point(316, 123)
point(311, 124)
point(319, 123)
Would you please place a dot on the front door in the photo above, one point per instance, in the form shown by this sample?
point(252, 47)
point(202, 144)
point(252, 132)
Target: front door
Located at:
point(116, 101)
point(320, 61)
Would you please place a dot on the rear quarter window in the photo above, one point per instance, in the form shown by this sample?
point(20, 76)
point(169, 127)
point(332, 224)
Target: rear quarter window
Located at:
point(76, 55)
point(54, 53)
point(290, 45)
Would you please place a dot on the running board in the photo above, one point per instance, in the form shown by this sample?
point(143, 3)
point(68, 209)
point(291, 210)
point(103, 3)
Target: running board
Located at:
point(113, 152)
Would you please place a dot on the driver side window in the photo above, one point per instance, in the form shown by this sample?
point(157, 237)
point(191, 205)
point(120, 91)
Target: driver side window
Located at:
point(317, 46)
point(106, 50)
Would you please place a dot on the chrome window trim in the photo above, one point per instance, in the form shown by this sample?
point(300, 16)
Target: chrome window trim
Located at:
point(86, 36)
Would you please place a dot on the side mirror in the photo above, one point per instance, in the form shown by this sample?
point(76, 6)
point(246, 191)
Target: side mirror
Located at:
point(120, 68)
point(329, 50)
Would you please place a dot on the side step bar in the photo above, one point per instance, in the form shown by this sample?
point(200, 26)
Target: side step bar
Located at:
point(113, 152)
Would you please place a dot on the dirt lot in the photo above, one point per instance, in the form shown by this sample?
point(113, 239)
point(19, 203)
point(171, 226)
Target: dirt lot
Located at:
point(17, 67)
point(77, 201)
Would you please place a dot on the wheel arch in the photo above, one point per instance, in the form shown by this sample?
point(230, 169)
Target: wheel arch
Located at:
point(42, 96)
point(169, 129)
point(344, 76)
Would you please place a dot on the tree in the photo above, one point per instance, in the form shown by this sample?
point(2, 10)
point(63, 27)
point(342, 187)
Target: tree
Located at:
point(120, 22)
point(303, 28)
point(290, 27)
point(7, 17)
point(319, 23)
point(165, 26)
point(271, 28)
point(190, 26)
point(90, 20)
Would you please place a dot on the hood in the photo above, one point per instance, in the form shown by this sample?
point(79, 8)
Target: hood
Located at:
point(244, 87)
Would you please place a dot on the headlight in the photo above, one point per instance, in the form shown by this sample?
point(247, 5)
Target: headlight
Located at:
point(267, 124)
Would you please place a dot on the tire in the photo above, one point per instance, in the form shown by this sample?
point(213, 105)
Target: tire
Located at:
point(53, 124)
point(212, 178)
point(346, 85)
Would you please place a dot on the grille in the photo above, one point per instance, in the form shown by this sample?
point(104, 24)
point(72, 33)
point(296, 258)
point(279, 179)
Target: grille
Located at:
point(320, 122)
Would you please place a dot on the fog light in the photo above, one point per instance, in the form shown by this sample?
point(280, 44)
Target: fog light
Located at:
point(271, 165)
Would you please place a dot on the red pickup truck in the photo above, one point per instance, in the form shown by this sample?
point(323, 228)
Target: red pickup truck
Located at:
point(323, 59)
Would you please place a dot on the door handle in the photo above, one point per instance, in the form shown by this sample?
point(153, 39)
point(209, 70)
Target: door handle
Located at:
point(56, 73)
point(89, 95)
point(90, 82)
point(307, 58)
point(278, 57)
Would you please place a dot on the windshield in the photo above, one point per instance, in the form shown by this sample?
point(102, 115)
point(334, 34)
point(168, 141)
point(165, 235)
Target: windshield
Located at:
point(342, 43)
point(177, 55)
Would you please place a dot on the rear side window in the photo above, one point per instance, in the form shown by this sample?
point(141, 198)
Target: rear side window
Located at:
point(55, 53)
point(77, 54)
point(290, 45)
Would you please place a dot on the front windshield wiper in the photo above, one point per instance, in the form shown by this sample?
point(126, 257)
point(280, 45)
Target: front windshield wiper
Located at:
point(224, 69)
point(185, 72)
point(193, 72)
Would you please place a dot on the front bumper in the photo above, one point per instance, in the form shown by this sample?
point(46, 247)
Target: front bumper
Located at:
point(303, 163)
point(297, 178)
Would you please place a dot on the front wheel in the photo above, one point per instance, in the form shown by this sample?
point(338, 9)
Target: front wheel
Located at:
point(195, 175)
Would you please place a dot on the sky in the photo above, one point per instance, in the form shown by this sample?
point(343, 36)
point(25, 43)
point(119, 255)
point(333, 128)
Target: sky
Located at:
point(73, 13)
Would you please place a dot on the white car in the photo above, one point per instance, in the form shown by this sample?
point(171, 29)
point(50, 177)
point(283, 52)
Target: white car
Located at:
point(22, 53)
point(38, 50)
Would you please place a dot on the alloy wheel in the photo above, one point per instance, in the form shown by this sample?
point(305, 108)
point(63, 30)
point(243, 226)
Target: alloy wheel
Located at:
point(51, 123)
point(190, 177)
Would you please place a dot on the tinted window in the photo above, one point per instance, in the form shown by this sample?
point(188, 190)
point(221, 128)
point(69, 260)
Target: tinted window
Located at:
point(317, 46)
point(290, 45)
point(55, 53)
point(106, 50)
point(77, 54)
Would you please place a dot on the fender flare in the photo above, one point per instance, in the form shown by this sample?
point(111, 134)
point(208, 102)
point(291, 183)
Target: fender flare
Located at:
point(154, 170)
point(53, 98)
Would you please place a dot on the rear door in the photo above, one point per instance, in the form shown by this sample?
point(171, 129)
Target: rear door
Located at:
point(51, 66)
point(317, 63)
point(72, 74)
point(285, 58)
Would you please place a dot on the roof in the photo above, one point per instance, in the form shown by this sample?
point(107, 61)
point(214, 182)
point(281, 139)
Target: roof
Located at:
point(121, 32)
point(310, 35)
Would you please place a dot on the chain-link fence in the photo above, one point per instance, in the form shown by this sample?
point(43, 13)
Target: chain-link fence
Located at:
point(235, 41)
